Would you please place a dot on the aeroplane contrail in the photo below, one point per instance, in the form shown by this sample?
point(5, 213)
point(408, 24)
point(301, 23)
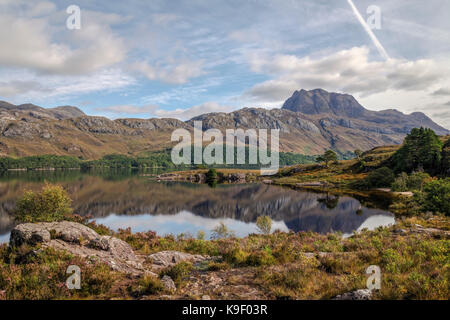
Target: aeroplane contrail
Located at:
point(369, 31)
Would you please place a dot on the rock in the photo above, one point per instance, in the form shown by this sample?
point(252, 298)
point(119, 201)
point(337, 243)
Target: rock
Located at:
point(28, 234)
point(362, 294)
point(168, 284)
point(99, 243)
point(81, 241)
point(405, 193)
point(166, 259)
point(206, 297)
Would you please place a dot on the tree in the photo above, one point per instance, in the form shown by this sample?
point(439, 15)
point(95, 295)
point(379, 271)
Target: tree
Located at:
point(211, 177)
point(437, 196)
point(445, 161)
point(421, 149)
point(264, 224)
point(52, 203)
point(358, 153)
point(381, 177)
point(327, 157)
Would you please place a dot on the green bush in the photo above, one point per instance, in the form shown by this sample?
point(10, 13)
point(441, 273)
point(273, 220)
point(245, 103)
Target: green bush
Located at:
point(178, 272)
point(149, 285)
point(413, 182)
point(52, 203)
point(379, 178)
point(327, 157)
point(437, 196)
point(260, 258)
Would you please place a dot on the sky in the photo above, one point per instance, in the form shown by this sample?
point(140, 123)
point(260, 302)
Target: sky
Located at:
point(159, 58)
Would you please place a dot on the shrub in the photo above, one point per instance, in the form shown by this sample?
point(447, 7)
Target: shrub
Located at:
point(221, 231)
point(381, 177)
point(216, 266)
point(437, 196)
point(201, 235)
point(260, 258)
point(178, 272)
point(264, 224)
point(52, 203)
point(149, 285)
point(413, 182)
point(234, 255)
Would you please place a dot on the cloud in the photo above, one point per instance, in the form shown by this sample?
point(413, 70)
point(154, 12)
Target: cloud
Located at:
point(31, 42)
point(346, 70)
point(153, 110)
point(173, 73)
point(189, 113)
point(369, 31)
point(23, 85)
point(14, 88)
point(128, 109)
point(442, 92)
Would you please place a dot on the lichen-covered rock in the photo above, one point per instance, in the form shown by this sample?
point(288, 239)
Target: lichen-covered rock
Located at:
point(168, 284)
point(165, 259)
point(32, 233)
point(362, 294)
point(81, 241)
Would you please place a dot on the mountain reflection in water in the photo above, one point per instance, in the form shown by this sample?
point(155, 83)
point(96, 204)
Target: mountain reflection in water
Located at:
point(142, 204)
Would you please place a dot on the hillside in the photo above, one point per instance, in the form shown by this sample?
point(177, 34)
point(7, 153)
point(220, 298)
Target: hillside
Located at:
point(309, 122)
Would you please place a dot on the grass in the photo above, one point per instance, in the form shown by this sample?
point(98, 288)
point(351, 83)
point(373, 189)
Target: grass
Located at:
point(280, 265)
point(30, 274)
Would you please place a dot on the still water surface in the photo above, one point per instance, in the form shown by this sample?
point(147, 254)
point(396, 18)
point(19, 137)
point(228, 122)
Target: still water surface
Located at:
point(122, 199)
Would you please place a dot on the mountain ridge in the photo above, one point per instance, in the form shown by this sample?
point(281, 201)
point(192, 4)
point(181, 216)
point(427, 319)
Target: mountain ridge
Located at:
point(309, 123)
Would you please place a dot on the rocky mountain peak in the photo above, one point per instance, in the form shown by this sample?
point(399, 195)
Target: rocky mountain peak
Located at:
point(320, 101)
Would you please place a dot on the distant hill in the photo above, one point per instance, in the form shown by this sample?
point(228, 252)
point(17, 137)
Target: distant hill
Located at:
point(309, 122)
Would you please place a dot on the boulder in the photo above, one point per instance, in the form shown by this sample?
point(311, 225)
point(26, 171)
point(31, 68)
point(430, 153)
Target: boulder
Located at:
point(79, 240)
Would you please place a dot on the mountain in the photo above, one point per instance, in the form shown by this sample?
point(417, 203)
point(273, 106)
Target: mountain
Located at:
point(319, 101)
point(309, 123)
point(31, 110)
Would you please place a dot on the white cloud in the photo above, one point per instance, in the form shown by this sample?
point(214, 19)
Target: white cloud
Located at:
point(120, 110)
point(442, 92)
point(23, 85)
point(189, 113)
point(17, 87)
point(30, 42)
point(173, 72)
point(347, 70)
point(153, 110)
